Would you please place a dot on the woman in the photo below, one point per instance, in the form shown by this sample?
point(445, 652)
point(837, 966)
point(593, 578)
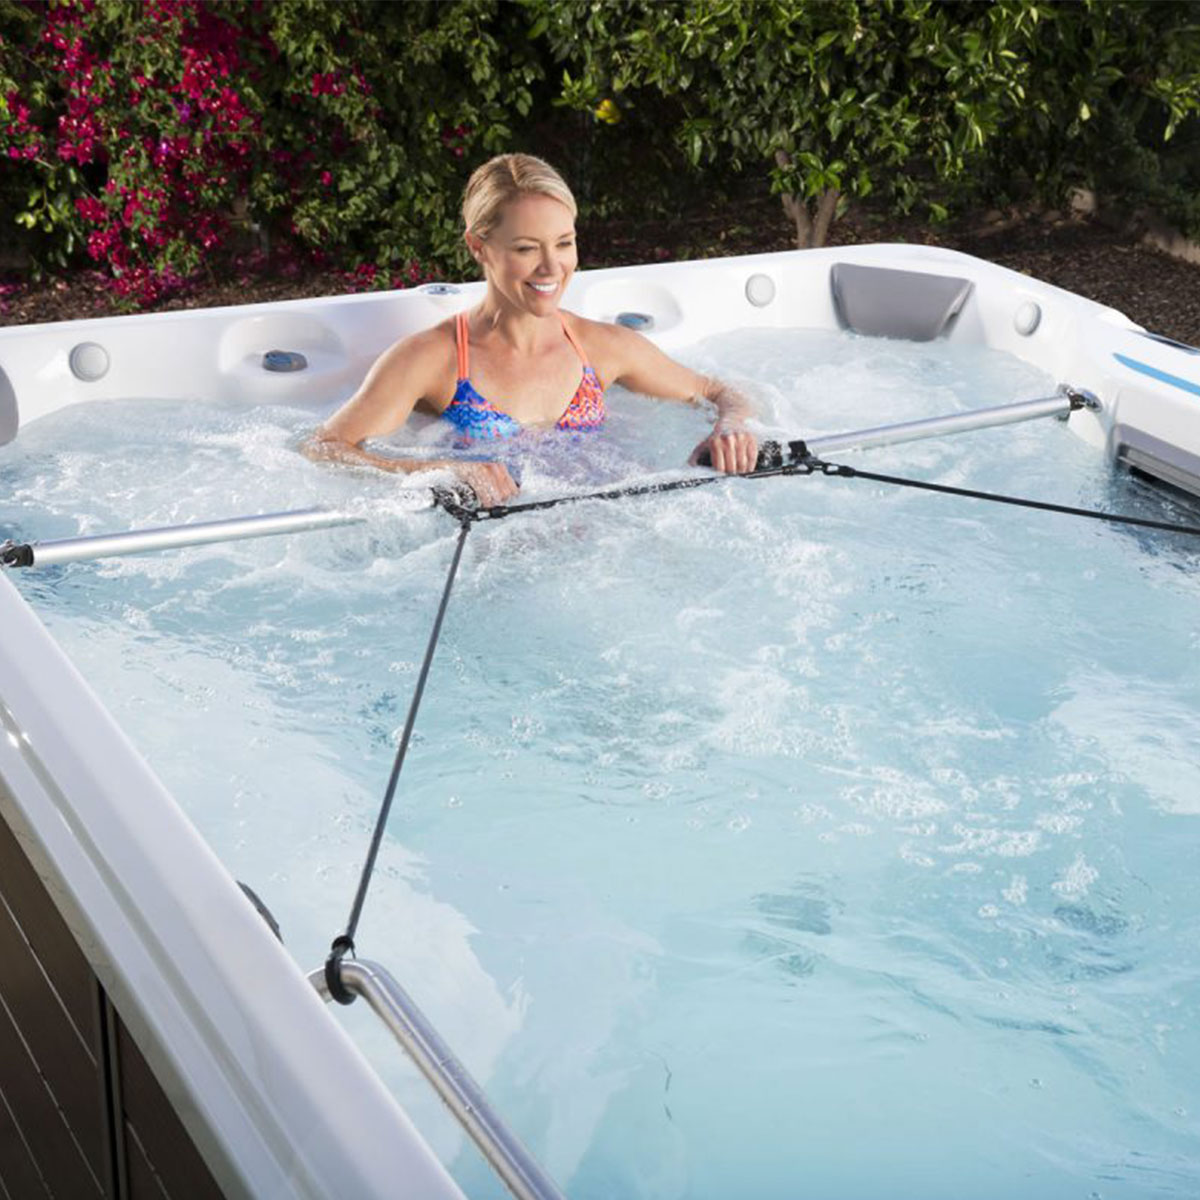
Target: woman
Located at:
point(517, 360)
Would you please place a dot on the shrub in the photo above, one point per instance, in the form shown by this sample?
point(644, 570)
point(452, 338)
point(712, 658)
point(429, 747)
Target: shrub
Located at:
point(832, 99)
point(947, 101)
point(159, 137)
point(1110, 102)
point(158, 134)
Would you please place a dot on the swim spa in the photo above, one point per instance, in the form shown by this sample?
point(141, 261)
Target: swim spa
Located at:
point(796, 835)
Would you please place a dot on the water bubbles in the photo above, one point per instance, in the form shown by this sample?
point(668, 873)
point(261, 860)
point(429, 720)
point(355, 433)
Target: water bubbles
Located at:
point(916, 857)
point(856, 829)
point(525, 728)
point(1017, 891)
point(1076, 879)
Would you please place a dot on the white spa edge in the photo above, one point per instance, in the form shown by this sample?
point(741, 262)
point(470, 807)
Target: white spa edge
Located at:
point(277, 1098)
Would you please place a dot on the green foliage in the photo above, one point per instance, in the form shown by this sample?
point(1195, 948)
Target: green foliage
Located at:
point(1111, 102)
point(161, 136)
point(833, 98)
point(448, 82)
point(911, 99)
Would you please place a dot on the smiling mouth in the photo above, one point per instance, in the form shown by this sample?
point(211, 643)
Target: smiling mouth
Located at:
point(544, 289)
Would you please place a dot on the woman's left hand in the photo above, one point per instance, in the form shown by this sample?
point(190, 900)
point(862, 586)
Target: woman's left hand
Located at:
point(731, 449)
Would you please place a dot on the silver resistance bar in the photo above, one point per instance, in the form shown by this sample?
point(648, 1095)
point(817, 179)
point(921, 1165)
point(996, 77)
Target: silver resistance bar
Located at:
point(519, 1170)
point(979, 418)
point(138, 541)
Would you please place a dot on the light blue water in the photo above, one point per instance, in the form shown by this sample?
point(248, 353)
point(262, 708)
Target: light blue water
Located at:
point(774, 839)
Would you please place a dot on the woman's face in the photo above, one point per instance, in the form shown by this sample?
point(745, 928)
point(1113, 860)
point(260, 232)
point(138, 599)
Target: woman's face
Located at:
point(530, 256)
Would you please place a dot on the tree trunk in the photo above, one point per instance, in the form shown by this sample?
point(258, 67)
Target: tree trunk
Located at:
point(812, 227)
point(827, 204)
point(797, 210)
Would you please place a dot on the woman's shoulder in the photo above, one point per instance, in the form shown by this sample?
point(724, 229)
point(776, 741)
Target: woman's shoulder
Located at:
point(420, 362)
point(432, 339)
point(622, 355)
point(603, 338)
point(424, 347)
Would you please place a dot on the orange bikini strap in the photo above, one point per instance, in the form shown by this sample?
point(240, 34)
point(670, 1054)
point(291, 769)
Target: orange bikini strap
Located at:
point(461, 340)
point(571, 339)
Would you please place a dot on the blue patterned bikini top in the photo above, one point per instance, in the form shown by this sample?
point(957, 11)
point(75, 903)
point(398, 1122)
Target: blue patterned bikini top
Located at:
point(481, 420)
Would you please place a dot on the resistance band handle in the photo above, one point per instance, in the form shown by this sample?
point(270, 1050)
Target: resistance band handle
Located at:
point(770, 456)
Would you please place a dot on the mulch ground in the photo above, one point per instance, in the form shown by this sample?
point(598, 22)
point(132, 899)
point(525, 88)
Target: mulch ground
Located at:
point(1105, 263)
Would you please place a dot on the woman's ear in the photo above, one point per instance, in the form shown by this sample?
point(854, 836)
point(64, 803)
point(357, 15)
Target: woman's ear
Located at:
point(474, 244)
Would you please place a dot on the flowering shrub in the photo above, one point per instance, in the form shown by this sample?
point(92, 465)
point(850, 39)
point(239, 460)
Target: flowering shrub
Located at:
point(163, 139)
point(159, 136)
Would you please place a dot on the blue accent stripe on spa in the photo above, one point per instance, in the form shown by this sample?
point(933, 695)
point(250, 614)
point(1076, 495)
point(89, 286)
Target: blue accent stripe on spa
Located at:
point(1155, 373)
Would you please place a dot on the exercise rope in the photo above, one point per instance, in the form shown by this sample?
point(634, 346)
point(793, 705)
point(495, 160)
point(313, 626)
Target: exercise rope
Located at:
point(771, 466)
point(343, 944)
point(462, 505)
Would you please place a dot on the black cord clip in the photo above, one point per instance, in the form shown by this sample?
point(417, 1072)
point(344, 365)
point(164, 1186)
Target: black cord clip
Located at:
point(14, 555)
point(342, 945)
point(459, 501)
point(828, 468)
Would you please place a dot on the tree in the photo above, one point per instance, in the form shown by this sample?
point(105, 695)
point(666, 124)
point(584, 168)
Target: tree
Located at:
point(833, 98)
point(1110, 102)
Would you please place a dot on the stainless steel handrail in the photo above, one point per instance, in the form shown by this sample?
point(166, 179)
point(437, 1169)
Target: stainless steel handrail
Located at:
point(520, 1171)
point(913, 431)
point(200, 533)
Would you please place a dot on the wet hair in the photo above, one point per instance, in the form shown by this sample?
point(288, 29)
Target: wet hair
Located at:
point(503, 179)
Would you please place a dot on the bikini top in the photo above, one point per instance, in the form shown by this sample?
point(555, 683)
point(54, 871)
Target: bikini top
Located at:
point(480, 419)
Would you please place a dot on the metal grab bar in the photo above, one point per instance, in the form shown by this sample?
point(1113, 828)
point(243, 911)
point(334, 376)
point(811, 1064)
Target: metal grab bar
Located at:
point(1059, 405)
point(520, 1171)
point(171, 537)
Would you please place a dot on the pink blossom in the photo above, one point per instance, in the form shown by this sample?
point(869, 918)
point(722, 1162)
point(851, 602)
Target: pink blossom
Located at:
point(90, 209)
point(326, 84)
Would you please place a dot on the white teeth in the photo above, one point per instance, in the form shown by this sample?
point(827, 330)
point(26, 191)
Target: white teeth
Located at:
point(544, 288)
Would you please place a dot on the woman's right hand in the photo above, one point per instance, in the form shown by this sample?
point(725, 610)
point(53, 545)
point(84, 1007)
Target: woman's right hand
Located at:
point(490, 481)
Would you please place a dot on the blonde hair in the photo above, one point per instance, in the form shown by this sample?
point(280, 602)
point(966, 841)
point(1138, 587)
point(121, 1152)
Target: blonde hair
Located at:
point(503, 179)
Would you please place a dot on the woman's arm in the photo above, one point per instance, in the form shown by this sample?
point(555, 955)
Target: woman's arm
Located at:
point(730, 446)
point(638, 364)
point(402, 376)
